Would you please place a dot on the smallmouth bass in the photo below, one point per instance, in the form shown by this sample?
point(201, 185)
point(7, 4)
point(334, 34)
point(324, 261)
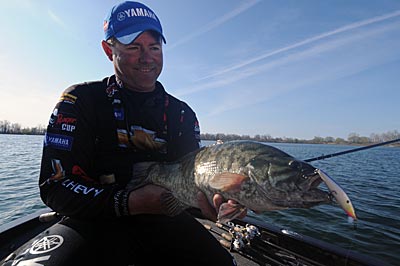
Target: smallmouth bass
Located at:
point(257, 176)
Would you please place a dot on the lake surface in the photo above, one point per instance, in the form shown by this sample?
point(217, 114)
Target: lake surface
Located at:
point(371, 178)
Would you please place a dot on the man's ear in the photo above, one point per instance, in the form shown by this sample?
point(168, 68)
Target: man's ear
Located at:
point(107, 49)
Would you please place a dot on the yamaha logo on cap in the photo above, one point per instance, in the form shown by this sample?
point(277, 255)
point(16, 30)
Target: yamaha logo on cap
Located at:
point(126, 21)
point(121, 16)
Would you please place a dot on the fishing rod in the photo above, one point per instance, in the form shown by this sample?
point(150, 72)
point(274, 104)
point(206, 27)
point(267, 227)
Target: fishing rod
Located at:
point(247, 241)
point(350, 151)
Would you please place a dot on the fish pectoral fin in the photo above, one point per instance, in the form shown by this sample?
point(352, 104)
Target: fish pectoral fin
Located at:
point(172, 205)
point(229, 211)
point(228, 181)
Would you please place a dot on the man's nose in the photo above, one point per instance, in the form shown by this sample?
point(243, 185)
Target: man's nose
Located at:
point(145, 56)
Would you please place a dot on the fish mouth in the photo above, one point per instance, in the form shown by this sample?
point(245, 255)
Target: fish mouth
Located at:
point(313, 195)
point(307, 199)
point(315, 180)
point(309, 195)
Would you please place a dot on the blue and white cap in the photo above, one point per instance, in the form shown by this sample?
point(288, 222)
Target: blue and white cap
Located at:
point(127, 20)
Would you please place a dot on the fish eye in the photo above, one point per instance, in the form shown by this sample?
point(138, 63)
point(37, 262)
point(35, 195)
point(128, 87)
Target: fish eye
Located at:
point(295, 164)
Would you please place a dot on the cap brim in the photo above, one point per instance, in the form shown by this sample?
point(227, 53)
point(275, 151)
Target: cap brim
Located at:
point(127, 36)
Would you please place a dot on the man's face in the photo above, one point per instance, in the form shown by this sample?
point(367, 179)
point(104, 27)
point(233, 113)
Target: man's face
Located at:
point(139, 63)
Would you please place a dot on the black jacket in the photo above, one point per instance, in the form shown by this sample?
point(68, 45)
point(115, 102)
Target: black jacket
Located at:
point(96, 132)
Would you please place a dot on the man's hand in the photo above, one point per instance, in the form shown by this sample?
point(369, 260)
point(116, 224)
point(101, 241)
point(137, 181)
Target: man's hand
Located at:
point(147, 199)
point(209, 211)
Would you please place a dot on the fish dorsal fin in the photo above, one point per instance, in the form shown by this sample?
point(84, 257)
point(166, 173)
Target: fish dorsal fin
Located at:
point(227, 181)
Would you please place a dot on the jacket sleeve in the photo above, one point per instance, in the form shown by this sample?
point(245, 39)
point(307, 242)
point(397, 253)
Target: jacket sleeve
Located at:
point(68, 182)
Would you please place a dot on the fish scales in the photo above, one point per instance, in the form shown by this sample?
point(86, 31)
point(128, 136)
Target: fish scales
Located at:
point(195, 171)
point(257, 176)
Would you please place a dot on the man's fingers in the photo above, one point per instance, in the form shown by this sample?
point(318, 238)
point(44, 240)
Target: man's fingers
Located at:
point(207, 210)
point(217, 200)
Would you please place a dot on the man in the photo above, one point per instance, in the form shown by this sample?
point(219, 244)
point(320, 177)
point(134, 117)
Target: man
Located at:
point(96, 132)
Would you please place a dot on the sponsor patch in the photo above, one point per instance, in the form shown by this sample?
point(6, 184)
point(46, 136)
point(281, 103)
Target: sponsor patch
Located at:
point(53, 116)
point(81, 189)
point(60, 142)
point(197, 130)
point(46, 244)
point(123, 139)
point(111, 90)
point(58, 170)
point(63, 121)
point(68, 98)
point(119, 114)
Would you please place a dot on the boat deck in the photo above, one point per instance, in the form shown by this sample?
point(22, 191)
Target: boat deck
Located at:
point(273, 246)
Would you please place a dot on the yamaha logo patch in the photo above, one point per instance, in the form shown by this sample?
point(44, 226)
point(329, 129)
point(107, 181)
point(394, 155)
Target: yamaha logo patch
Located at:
point(46, 244)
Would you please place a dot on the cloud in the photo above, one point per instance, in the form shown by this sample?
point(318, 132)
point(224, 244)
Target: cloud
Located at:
point(234, 75)
point(57, 19)
point(214, 24)
point(319, 37)
point(331, 59)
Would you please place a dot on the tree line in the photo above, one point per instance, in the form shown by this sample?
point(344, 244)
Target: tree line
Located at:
point(7, 127)
point(352, 139)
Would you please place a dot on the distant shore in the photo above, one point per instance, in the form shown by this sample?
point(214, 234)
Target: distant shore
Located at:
point(353, 139)
point(7, 127)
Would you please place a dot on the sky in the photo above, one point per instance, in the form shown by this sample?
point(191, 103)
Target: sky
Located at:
point(293, 69)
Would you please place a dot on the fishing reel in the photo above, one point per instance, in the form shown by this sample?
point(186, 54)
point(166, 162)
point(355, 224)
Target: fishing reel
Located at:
point(241, 236)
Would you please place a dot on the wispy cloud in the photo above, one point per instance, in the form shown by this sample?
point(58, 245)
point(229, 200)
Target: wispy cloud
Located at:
point(213, 24)
point(57, 19)
point(303, 59)
point(319, 37)
point(340, 66)
point(245, 71)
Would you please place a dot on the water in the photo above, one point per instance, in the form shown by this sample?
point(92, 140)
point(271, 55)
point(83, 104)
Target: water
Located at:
point(19, 171)
point(371, 178)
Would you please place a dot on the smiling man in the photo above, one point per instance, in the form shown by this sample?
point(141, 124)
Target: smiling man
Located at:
point(106, 127)
point(137, 64)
